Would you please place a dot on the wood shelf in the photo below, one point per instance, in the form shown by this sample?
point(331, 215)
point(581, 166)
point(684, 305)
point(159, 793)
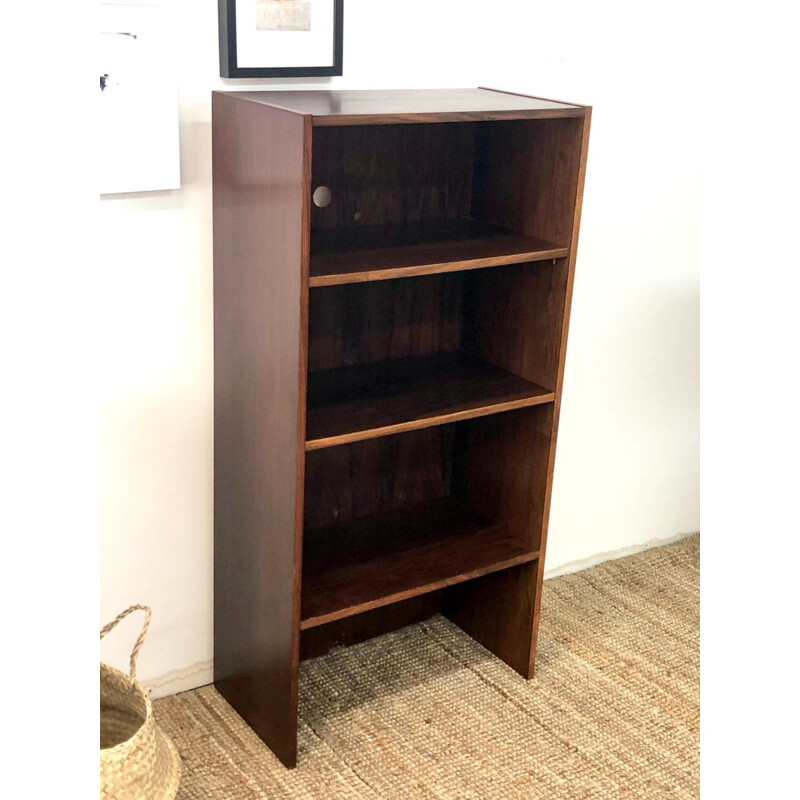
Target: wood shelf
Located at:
point(374, 561)
point(371, 400)
point(384, 252)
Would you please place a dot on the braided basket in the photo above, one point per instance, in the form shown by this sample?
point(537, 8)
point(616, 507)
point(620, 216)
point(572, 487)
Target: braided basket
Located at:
point(137, 760)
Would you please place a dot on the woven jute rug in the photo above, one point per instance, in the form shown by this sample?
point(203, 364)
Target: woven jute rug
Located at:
point(425, 712)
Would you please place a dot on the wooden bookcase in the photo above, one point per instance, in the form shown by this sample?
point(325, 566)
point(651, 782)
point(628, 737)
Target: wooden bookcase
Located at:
point(388, 372)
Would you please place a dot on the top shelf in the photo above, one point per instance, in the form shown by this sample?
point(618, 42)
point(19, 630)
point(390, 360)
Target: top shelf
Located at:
point(384, 252)
point(403, 106)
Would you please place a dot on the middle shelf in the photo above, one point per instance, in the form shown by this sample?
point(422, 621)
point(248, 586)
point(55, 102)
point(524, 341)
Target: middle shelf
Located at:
point(370, 400)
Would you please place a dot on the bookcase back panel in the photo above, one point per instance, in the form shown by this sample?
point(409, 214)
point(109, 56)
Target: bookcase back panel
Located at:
point(392, 174)
point(495, 465)
point(509, 316)
point(364, 323)
point(377, 476)
point(519, 175)
point(316, 642)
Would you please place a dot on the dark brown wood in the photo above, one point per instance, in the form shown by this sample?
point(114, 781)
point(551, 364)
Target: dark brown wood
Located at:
point(513, 316)
point(261, 246)
point(363, 402)
point(317, 641)
point(374, 561)
point(532, 97)
point(368, 322)
point(352, 255)
point(423, 371)
point(377, 476)
point(576, 218)
point(502, 467)
point(518, 318)
point(421, 173)
point(526, 177)
point(502, 622)
point(366, 107)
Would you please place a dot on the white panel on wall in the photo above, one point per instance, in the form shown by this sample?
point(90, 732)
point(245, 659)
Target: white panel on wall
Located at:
point(137, 142)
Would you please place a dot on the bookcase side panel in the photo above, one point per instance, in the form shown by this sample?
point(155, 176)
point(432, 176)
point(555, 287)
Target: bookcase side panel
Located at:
point(514, 318)
point(579, 155)
point(502, 469)
point(261, 173)
point(518, 319)
point(526, 176)
point(497, 611)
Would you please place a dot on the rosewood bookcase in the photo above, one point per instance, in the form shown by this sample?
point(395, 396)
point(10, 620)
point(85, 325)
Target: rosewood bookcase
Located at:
point(388, 370)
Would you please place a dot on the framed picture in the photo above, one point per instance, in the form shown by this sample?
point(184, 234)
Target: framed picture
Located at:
point(280, 38)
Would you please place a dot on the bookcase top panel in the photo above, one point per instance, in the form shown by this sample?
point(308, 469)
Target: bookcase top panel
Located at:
point(367, 107)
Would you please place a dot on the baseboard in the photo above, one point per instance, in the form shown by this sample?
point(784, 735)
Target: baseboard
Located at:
point(593, 561)
point(202, 673)
point(181, 680)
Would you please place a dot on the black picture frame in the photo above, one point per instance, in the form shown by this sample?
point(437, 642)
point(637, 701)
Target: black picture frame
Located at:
point(228, 68)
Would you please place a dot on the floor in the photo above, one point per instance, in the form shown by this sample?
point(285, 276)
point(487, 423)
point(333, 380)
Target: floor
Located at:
point(425, 712)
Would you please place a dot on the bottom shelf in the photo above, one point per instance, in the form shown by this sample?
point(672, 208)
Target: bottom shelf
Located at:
point(374, 561)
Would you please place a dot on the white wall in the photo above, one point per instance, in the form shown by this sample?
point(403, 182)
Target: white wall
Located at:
point(627, 467)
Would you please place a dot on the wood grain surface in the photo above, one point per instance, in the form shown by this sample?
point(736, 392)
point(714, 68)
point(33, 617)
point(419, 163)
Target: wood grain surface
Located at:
point(366, 401)
point(390, 107)
point(380, 253)
point(261, 248)
point(375, 561)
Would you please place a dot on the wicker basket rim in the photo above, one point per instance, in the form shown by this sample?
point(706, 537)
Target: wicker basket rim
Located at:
point(147, 758)
point(148, 714)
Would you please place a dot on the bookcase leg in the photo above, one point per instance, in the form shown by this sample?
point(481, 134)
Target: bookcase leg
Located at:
point(498, 612)
point(268, 704)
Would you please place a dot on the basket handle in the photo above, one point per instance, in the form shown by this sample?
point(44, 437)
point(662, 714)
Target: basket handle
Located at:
point(140, 641)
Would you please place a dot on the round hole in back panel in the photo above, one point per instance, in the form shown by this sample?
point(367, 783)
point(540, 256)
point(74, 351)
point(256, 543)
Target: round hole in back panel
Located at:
point(322, 196)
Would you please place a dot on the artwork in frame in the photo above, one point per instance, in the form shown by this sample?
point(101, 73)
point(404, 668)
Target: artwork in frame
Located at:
point(280, 38)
